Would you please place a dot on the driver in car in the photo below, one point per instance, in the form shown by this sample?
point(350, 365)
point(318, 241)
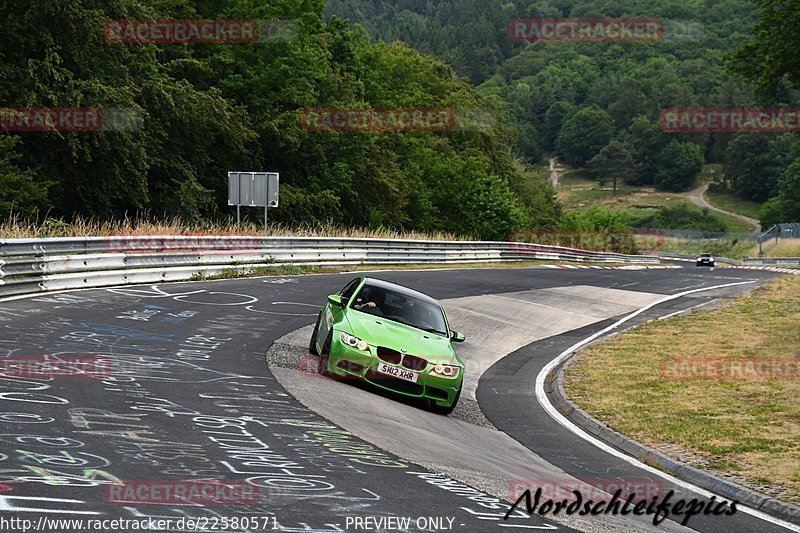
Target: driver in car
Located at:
point(374, 300)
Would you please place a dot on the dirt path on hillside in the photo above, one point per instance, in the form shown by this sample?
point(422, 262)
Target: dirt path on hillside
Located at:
point(556, 172)
point(697, 196)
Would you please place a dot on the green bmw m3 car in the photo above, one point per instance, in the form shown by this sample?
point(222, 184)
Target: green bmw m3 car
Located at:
point(391, 337)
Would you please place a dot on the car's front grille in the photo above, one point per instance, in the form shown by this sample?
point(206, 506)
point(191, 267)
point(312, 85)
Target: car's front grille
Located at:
point(388, 355)
point(394, 384)
point(412, 362)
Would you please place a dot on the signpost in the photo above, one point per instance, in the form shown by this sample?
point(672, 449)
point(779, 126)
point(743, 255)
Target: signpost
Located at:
point(253, 189)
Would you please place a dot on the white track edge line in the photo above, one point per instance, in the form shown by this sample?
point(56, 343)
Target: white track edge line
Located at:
point(544, 401)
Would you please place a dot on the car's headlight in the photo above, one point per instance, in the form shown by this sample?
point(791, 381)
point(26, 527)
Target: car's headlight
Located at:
point(448, 371)
point(699, 258)
point(355, 342)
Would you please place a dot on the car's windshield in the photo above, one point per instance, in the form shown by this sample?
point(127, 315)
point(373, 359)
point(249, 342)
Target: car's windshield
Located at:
point(400, 308)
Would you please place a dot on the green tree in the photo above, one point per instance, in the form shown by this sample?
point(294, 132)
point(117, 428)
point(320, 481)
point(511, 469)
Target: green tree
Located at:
point(554, 120)
point(210, 108)
point(747, 167)
point(529, 142)
point(596, 218)
point(680, 163)
point(683, 216)
point(770, 60)
point(646, 140)
point(584, 134)
point(598, 228)
point(21, 191)
point(612, 163)
point(785, 207)
point(770, 57)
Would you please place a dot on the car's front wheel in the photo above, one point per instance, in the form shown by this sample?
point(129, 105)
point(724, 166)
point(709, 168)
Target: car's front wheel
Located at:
point(312, 345)
point(445, 410)
point(324, 357)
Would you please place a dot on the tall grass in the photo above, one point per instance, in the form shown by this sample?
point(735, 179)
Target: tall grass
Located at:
point(783, 248)
point(731, 249)
point(15, 227)
point(744, 428)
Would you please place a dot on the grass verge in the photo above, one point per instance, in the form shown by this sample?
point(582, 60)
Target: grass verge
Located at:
point(730, 248)
point(783, 248)
point(747, 430)
point(576, 192)
point(80, 227)
point(727, 201)
point(734, 224)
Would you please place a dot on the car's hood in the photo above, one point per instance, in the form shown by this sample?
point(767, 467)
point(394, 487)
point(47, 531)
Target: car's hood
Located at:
point(378, 331)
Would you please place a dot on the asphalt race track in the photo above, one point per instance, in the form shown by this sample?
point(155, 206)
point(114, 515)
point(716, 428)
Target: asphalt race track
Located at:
point(189, 395)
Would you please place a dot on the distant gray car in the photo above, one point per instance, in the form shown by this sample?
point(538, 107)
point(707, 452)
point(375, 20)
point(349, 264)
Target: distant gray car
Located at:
point(706, 260)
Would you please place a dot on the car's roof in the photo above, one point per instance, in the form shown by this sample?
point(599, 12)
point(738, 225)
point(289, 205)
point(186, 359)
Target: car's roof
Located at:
point(375, 282)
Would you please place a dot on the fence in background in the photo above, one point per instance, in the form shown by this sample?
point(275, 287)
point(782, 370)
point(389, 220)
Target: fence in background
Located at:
point(780, 231)
point(772, 261)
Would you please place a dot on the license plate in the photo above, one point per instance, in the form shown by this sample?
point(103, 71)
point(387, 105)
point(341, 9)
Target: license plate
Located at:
point(396, 372)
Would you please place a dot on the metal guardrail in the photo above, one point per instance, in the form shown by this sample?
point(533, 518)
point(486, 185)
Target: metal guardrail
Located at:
point(746, 261)
point(772, 261)
point(38, 265)
point(693, 257)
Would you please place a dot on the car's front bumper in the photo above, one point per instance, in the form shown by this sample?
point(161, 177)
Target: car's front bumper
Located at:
point(346, 361)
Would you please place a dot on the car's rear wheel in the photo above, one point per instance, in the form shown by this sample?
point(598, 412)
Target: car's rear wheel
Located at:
point(312, 345)
point(441, 410)
point(324, 357)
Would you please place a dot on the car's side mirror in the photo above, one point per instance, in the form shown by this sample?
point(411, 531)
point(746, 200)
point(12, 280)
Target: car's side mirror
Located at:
point(455, 336)
point(335, 299)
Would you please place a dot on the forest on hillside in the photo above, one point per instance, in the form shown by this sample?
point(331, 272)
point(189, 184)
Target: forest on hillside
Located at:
point(209, 108)
point(597, 104)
